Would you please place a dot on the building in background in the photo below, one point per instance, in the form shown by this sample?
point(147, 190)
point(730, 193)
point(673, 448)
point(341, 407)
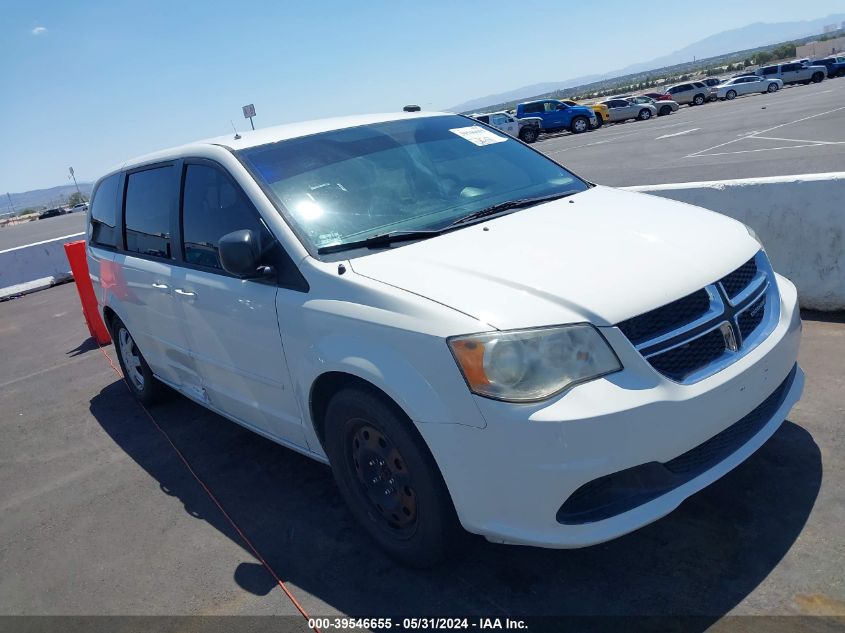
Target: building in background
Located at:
point(815, 49)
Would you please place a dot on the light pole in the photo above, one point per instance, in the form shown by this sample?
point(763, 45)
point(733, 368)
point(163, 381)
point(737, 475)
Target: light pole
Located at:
point(72, 175)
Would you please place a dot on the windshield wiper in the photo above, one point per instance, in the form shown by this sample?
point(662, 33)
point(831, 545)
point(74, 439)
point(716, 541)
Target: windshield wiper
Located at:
point(520, 203)
point(379, 240)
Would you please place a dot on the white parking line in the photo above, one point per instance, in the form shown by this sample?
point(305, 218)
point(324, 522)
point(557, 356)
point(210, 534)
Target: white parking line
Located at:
point(806, 118)
point(798, 140)
point(765, 149)
point(677, 133)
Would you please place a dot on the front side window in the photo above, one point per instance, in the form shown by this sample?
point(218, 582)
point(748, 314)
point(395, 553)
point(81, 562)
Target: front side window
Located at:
point(150, 197)
point(408, 175)
point(212, 206)
point(103, 231)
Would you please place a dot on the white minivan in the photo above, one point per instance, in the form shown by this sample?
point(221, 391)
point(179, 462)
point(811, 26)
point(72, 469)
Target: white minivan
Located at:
point(474, 338)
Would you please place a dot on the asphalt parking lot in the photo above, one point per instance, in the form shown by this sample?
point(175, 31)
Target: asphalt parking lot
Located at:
point(40, 230)
point(798, 130)
point(101, 517)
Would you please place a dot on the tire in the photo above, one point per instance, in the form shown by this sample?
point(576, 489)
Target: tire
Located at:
point(136, 372)
point(665, 110)
point(579, 124)
point(644, 115)
point(699, 99)
point(600, 120)
point(730, 95)
point(373, 448)
point(773, 87)
point(528, 134)
point(817, 78)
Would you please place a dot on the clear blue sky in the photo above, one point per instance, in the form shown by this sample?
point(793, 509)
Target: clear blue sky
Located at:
point(92, 83)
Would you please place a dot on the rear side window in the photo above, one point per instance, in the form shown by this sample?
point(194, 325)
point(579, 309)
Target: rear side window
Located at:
point(103, 230)
point(770, 70)
point(150, 196)
point(532, 107)
point(483, 119)
point(212, 206)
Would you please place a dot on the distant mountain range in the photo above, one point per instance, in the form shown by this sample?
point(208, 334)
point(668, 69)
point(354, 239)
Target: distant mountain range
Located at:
point(54, 196)
point(746, 37)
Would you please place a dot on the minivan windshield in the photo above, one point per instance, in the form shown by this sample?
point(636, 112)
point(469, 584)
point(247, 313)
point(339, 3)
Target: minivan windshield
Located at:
point(412, 175)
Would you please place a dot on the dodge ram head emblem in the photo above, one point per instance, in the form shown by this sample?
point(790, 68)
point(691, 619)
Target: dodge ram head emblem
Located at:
point(728, 334)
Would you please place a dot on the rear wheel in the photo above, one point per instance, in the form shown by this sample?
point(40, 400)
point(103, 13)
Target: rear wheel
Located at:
point(730, 95)
point(136, 372)
point(389, 479)
point(773, 87)
point(818, 77)
point(665, 110)
point(579, 124)
point(698, 99)
point(528, 134)
point(644, 114)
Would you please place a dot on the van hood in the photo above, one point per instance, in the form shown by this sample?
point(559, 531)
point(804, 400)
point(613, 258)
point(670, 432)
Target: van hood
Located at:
point(601, 256)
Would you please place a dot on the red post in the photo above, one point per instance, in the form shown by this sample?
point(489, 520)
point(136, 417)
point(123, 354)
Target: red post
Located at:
point(75, 252)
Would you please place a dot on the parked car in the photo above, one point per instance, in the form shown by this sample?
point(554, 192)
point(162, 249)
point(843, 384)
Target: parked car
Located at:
point(471, 336)
point(793, 73)
point(658, 96)
point(602, 115)
point(663, 107)
point(739, 86)
point(834, 68)
point(623, 110)
point(690, 93)
point(82, 206)
point(527, 129)
point(556, 115)
point(711, 82)
point(51, 213)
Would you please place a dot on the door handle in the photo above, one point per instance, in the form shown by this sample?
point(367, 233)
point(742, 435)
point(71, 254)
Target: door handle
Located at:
point(185, 293)
point(160, 286)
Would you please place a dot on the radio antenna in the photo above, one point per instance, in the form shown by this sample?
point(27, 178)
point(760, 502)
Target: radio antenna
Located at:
point(237, 136)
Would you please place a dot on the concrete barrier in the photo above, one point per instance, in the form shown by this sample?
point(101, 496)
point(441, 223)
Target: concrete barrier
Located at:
point(34, 266)
point(800, 219)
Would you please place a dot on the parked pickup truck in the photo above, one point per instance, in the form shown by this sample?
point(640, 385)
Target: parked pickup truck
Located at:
point(793, 73)
point(835, 67)
point(526, 129)
point(556, 115)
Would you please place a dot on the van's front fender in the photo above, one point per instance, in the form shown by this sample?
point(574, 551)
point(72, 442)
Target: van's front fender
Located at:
point(415, 370)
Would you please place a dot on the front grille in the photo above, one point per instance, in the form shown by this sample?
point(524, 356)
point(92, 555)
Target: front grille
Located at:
point(750, 318)
point(666, 318)
point(689, 339)
point(739, 279)
point(684, 360)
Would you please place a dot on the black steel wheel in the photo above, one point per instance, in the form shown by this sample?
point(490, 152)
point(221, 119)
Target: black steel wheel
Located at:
point(389, 479)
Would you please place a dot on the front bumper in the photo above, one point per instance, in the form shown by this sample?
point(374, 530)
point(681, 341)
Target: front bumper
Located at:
point(509, 480)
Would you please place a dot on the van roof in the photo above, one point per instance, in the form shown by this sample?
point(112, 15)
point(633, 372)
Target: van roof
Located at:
point(263, 136)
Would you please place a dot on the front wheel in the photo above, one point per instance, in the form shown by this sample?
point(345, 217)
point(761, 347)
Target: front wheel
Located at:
point(818, 77)
point(579, 124)
point(528, 134)
point(136, 372)
point(698, 100)
point(644, 115)
point(730, 95)
point(389, 479)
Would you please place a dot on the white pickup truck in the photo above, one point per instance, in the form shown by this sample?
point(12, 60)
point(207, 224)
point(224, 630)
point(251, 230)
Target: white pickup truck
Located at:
point(526, 129)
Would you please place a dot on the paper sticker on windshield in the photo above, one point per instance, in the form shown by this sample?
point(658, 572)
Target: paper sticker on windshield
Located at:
point(478, 135)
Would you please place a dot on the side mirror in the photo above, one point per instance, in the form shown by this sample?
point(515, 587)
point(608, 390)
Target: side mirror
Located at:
point(239, 254)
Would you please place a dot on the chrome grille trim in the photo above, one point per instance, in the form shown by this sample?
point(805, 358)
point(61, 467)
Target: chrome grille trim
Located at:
point(722, 310)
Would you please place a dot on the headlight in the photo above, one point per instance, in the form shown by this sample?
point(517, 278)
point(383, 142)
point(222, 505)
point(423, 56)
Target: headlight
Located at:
point(527, 365)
